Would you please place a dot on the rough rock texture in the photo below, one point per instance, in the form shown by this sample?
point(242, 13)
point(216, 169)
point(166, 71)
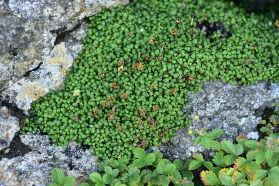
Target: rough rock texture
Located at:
point(30, 31)
point(234, 109)
point(34, 168)
point(9, 125)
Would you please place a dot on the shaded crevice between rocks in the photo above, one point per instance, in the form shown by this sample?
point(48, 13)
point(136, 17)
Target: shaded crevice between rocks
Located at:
point(16, 148)
point(34, 69)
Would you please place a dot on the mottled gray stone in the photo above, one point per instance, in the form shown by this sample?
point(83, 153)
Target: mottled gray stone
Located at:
point(34, 168)
point(234, 109)
point(31, 32)
point(9, 125)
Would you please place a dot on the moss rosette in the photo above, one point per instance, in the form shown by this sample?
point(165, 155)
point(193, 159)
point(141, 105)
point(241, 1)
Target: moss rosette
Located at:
point(138, 64)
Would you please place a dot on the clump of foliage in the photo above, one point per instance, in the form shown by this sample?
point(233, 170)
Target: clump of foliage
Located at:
point(273, 124)
point(139, 62)
point(144, 169)
point(247, 163)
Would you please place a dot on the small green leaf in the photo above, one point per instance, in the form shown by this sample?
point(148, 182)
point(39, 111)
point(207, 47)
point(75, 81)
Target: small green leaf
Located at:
point(96, 177)
point(205, 141)
point(153, 178)
point(260, 174)
point(230, 148)
point(253, 144)
point(226, 180)
point(219, 159)
point(198, 157)
point(208, 165)
point(268, 154)
point(195, 164)
point(215, 145)
point(158, 157)
point(229, 159)
point(209, 178)
point(251, 154)
point(238, 177)
point(57, 175)
point(69, 181)
point(214, 134)
point(260, 156)
point(197, 140)
point(165, 169)
point(133, 175)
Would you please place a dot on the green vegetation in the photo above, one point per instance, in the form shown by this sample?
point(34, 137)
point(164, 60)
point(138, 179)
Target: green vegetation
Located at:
point(247, 163)
point(139, 62)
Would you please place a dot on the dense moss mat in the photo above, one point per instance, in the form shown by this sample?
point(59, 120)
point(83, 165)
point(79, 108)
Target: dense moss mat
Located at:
point(140, 61)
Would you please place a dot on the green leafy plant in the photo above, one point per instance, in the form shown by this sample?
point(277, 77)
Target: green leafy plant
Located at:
point(132, 48)
point(60, 180)
point(247, 163)
point(149, 169)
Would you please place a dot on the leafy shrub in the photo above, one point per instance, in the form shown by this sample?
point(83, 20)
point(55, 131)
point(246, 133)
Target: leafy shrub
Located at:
point(138, 64)
point(247, 163)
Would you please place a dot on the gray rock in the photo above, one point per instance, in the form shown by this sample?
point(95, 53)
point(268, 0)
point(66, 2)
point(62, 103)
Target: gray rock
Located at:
point(30, 31)
point(234, 109)
point(34, 168)
point(9, 125)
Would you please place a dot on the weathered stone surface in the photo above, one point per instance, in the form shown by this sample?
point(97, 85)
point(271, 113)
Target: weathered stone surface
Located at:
point(9, 125)
point(34, 168)
point(30, 31)
point(234, 109)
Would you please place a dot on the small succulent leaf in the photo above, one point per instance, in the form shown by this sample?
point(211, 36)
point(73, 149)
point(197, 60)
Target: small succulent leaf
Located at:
point(197, 140)
point(158, 157)
point(260, 174)
point(260, 156)
point(194, 164)
point(215, 145)
point(229, 159)
point(253, 144)
point(268, 154)
point(226, 180)
point(133, 175)
point(214, 134)
point(219, 159)
point(96, 177)
point(208, 165)
point(57, 175)
point(238, 177)
point(198, 157)
point(209, 178)
point(205, 141)
point(251, 154)
point(272, 162)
